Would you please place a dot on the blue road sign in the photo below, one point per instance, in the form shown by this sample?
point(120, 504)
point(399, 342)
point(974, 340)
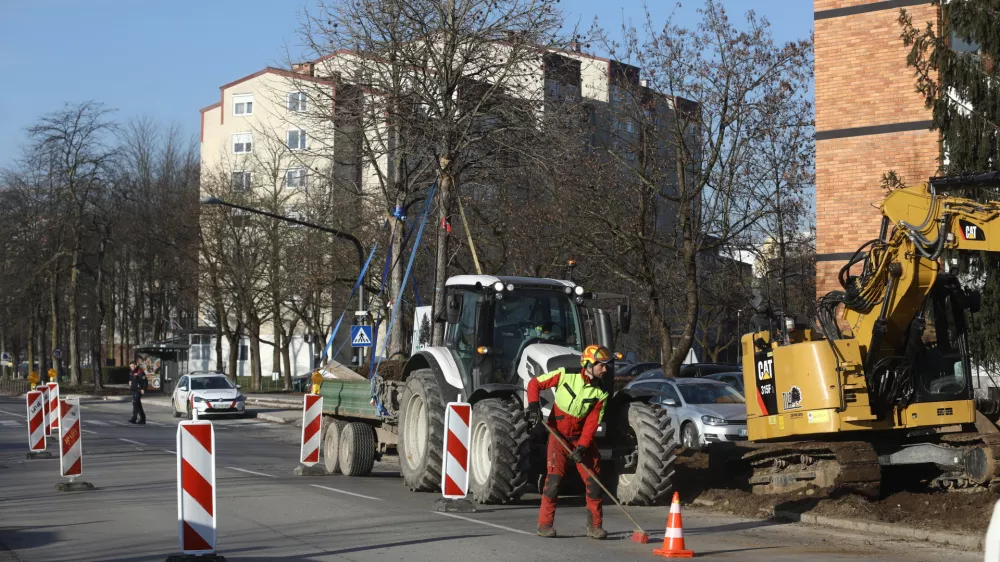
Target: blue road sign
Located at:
point(361, 336)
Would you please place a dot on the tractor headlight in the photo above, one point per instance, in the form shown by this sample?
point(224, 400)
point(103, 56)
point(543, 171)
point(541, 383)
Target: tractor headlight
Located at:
point(498, 286)
point(578, 290)
point(712, 420)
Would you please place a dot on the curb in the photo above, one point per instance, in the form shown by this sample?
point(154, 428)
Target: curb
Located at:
point(272, 418)
point(967, 542)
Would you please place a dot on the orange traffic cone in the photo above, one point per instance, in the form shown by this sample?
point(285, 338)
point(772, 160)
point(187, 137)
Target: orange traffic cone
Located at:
point(673, 540)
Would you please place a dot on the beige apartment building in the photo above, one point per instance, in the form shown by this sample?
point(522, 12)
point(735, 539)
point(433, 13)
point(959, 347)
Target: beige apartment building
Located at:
point(264, 134)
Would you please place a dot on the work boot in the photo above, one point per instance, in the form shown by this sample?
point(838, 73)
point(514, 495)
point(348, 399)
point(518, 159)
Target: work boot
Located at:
point(546, 531)
point(597, 533)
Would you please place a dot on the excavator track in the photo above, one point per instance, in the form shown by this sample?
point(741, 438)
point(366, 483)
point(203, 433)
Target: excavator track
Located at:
point(981, 468)
point(784, 467)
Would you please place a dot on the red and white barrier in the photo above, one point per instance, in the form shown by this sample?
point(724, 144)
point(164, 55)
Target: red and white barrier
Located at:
point(455, 476)
point(46, 408)
point(71, 440)
point(54, 405)
point(36, 421)
point(196, 513)
point(312, 422)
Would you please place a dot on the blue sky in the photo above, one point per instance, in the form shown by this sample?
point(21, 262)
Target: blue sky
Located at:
point(166, 60)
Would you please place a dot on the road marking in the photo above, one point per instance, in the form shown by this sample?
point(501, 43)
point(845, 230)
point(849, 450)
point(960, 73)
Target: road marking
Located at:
point(89, 431)
point(132, 442)
point(251, 472)
point(98, 423)
point(9, 413)
point(10, 423)
point(169, 451)
point(346, 492)
point(494, 525)
point(157, 424)
point(117, 423)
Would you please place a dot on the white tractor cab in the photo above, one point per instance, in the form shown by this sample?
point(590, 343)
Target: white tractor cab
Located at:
point(500, 332)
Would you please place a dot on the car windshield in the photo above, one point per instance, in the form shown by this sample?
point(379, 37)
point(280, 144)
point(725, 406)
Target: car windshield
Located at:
point(211, 383)
point(710, 394)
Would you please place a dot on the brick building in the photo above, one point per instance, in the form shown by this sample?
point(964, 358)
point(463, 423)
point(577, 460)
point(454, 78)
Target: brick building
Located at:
point(869, 120)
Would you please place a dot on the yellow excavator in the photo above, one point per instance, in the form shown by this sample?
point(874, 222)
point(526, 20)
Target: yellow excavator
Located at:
point(887, 381)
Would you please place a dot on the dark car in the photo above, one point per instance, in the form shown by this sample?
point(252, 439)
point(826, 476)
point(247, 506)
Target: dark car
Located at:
point(705, 369)
point(734, 380)
point(634, 369)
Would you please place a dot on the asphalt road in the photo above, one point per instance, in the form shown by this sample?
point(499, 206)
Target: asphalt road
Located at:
point(267, 513)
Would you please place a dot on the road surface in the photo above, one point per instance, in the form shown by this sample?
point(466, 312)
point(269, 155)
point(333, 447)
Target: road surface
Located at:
point(267, 513)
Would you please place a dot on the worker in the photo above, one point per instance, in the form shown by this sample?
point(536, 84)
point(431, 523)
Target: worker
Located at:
point(579, 406)
point(137, 384)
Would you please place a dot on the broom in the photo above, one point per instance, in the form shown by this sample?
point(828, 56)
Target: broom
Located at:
point(638, 535)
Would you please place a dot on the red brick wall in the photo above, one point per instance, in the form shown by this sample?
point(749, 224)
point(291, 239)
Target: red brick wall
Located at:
point(862, 81)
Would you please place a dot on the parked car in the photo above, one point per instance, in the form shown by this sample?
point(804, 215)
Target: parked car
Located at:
point(734, 380)
point(707, 412)
point(209, 393)
point(633, 369)
point(705, 369)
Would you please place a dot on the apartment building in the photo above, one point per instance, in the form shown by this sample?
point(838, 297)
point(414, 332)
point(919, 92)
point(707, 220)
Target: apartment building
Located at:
point(263, 134)
point(869, 120)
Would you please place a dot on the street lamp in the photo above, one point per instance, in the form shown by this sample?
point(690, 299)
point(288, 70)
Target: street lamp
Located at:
point(336, 234)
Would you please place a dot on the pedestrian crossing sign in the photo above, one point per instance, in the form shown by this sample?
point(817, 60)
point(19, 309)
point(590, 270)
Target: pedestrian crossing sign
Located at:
point(361, 336)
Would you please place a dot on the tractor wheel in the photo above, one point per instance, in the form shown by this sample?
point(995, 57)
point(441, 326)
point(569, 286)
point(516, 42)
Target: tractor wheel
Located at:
point(499, 443)
point(645, 475)
point(421, 432)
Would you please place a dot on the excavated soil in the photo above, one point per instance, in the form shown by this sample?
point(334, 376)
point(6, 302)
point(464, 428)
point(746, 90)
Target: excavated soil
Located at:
point(961, 511)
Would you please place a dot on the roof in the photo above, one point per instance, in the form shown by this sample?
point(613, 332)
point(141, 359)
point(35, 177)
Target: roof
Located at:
point(487, 280)
point(278, 71)
point(206, 374)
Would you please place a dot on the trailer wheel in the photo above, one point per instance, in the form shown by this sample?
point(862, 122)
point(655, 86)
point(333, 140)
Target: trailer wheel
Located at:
point(645, 474)
point(421, 432)
point(357, 449)
point(331, 445)
point(499, 441)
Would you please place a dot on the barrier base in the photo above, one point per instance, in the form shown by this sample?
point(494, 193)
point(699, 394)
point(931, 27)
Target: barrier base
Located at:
point(196, 558)
point(458, 506)
point(314, 470)
point(39, 455)
point(77, 486)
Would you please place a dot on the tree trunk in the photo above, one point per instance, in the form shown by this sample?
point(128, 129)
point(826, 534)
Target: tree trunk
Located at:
point(680, 351)
point(54, 327)
point(31, 344)
point(254, 354)
point(74, 348)
point(218, 341)
point(43, 364)
point(276, 351)
point(441, 259)
point(286, 358)
point(396, 289)
point(234, 351)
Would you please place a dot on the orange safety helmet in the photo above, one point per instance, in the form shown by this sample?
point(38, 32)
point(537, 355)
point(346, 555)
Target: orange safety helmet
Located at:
point(596, 354)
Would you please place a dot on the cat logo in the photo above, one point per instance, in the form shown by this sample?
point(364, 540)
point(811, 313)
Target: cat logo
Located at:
point(765, 369)
point(971, 231)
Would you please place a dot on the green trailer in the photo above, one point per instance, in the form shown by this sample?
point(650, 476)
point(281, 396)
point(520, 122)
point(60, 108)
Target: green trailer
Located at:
point(355, 436)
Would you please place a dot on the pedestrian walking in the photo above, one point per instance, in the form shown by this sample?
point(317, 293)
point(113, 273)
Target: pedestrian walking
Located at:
point(137, 384)
point(579, 406)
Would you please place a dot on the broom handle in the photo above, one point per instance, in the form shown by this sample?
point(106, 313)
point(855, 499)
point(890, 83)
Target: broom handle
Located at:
point(594, 477)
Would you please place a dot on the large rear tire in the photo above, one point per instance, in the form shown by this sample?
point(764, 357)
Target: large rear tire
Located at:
point(357, 449)
point(499, 443)
point(331, 446)
point(647, 478)
point(421, 432)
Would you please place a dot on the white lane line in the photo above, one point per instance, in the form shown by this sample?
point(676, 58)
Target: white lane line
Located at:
point(346, 492)
point(117, 423)
point(98, 423)
point(10, 413)
point(169, 451)
point(89, 431)
point(154, 423)
point(10, 423)
point(494, 525)
point(132, 442)
point(251, 472)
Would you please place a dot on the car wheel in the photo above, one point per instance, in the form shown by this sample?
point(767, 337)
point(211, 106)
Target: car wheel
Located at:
point(690, 439)
point(173, 406)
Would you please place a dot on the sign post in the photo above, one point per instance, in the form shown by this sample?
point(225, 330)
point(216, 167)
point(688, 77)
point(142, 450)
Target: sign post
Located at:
point(455, 472)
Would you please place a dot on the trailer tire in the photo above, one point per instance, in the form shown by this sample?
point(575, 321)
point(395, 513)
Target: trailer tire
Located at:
point(497, 452)
point(421, 432)
point(649, 478)
point(331, 446)
point(357, 449)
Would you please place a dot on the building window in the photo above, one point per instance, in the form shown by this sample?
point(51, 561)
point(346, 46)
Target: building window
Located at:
point(242, 143)
point(296, 139)
point(297, 101)
point(243, 104)
point(241, 181)
point(295, 177)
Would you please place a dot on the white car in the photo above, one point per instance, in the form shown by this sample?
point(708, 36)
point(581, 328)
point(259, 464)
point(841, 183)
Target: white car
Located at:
point(208, 393)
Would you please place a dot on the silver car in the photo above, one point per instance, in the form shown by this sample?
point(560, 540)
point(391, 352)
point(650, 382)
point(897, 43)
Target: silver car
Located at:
point(708, 412)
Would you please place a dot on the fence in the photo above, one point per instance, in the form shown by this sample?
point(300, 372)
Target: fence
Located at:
point(267, 384)
point(15, 386)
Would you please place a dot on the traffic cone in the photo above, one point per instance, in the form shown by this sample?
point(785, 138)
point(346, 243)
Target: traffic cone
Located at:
point(673, 540)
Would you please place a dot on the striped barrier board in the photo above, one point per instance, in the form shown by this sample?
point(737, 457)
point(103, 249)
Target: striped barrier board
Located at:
point(312, 422)
point(54, 404)
point(46, 408)
point(196, 507)
point(71, 439)
point(36, 421)
point(455, 476)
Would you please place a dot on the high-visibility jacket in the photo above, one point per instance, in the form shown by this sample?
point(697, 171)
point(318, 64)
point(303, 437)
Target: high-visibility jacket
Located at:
point(579, 404)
